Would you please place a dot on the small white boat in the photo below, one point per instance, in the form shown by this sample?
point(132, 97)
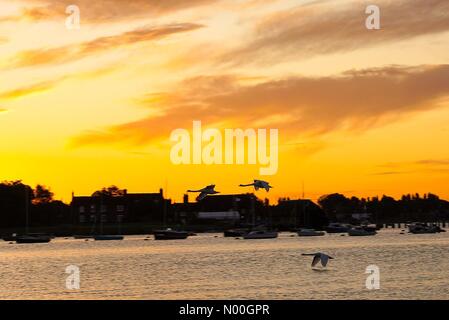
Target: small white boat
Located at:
point(169, 234)
point(359, 232)
point(261, 235)
point(310, 233)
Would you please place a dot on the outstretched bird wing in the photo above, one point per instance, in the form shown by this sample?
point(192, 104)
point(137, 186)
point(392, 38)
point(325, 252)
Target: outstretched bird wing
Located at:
point(246, 185)
point(315, 260)
point(201, 196)
point(324, 260)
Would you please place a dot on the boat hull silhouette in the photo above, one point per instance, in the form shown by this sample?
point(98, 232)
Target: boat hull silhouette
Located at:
point(261, 235)
point(235, 232)
point(310, 233)
point(170, 235)
point(336, 228)
point(108, 237)
point(33, 239)
point(360, 232)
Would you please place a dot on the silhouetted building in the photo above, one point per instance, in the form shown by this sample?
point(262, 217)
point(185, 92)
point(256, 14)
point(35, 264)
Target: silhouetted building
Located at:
point(129, 207)
point(289, 214)
point(232, 209)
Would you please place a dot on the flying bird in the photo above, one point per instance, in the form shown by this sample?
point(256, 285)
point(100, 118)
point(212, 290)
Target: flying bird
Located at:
point(204, 192)
point(258, 184)
point(319, 257)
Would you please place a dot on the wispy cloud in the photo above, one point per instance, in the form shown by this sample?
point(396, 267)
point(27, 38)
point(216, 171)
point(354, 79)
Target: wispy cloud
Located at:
point(25, 91)
point(423, 162)
point(435, 162)
point(106, 10)
point(355, 100)
point(416, 166)
point(79, 51)
point(390, 173)
point(338, 26)
point(45, 86)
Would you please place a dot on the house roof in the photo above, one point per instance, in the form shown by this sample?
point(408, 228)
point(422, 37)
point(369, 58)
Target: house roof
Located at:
point(87, 200)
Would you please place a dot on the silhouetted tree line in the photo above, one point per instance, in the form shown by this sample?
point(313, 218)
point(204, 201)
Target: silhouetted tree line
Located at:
point(112, 191)
point(17, 198)
point(410, 207)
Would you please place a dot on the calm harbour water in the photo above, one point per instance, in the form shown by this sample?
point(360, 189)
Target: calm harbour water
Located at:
point(209, 266)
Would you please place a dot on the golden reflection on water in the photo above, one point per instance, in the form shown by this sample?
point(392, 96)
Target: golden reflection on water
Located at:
point(209, 266)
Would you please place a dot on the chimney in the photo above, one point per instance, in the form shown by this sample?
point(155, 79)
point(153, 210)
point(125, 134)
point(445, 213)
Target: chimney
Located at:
point(185, 198)
point(161, 192)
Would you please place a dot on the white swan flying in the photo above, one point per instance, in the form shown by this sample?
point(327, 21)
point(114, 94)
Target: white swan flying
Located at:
point(319, 257)
point(258, 184)
point(204, 192)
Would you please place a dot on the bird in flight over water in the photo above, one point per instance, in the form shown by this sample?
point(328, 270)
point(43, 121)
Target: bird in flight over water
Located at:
point(258, 184)
point(204, 192)
point(319, 257)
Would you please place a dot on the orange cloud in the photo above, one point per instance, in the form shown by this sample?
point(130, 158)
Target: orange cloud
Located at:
point(355, 100)
point(107, 10)
point(324, 27)
point(25, 91)
point(406, 167)
point(76, 52)
point(422, 163)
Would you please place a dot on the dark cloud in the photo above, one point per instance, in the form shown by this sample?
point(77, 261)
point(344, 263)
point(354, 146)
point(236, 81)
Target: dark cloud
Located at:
point(355, 100)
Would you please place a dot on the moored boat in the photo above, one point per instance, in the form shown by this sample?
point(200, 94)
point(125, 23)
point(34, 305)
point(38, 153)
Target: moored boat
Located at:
point(235, 232)
point(422, 228)
point(11, 237)
point(170, 234)
point(82, 237)
point(337, 228)
point(33, 238)
point(108, 237)
point(359, 231)
point(260, 234)
point(310, 233)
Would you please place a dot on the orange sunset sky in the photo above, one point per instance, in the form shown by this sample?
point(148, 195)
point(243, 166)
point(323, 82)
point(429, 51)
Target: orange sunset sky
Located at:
point(360, 112)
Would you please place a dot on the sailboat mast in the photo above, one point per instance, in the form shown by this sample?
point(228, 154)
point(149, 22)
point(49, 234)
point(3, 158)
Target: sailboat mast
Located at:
point(164, 218)
point(26, 210)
